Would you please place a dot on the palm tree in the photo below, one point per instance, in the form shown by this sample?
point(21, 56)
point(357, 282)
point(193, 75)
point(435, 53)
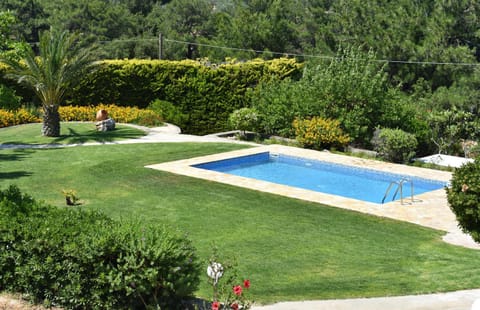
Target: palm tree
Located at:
point(60, 63)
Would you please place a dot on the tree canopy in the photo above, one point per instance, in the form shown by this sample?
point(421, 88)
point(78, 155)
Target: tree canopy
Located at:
point(412, 36)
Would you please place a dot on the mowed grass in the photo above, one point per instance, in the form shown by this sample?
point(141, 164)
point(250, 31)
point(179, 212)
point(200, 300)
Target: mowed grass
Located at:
point(289, 249)
point(70, 133)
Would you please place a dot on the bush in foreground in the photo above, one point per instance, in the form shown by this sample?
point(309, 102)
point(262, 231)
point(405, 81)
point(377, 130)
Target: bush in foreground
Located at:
point(83, 260)
point(464, 198)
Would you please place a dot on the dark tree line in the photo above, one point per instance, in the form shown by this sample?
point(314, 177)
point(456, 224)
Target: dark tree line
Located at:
point(417, 31)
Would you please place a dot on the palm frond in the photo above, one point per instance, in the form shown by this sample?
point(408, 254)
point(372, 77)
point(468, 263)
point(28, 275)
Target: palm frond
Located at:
point(60, 63)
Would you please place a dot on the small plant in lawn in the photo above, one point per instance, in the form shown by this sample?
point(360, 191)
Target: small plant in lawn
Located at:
point(71, 197)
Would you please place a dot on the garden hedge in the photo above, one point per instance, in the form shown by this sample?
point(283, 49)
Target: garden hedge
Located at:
point(206, 93)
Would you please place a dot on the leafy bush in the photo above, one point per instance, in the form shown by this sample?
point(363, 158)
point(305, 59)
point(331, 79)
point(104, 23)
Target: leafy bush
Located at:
point(8, 99)
point(278, 103)
point(17, 117)
point(243, 119)
point(135, 115)
point(449, 127)
point(320, 133)
point(168, 111)
point(83, 260)
point(394, 145)
point(352, 88)
point(464, 198)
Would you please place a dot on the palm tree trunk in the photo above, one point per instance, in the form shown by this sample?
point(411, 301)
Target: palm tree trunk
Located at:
point(51, 121)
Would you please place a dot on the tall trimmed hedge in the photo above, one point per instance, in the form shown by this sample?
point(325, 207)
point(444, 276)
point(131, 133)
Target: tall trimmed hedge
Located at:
point(206, 93)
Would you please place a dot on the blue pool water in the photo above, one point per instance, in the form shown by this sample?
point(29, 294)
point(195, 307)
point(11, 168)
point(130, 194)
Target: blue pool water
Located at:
point(347, 181)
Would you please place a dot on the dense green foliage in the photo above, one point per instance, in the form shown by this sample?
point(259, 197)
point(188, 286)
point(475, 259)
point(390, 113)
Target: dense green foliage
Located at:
point(84, 260)
point(464, 198)
point(205, 94)
point(8, 99)
point(351, 89)
point(243, 119)
point(426, 30)
point(319, 133)
point(394, 145)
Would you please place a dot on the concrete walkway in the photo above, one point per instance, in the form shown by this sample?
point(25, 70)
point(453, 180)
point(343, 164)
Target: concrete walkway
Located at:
point(460, 300)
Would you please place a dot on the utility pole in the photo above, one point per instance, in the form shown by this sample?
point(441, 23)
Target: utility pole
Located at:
point(160, 46)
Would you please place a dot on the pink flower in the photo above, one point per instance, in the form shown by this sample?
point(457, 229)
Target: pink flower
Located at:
point(215, 305)
point(237, 290)
point(246, 283)
point(234, 306)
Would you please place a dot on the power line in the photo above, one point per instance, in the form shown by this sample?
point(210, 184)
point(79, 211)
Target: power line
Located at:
point(412, 62)
point(324, 56)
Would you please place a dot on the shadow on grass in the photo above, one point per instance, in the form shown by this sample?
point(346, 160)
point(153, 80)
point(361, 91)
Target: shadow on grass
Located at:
point(14, 175)
point(17, 155)
point(74, 137)
point(78, 137)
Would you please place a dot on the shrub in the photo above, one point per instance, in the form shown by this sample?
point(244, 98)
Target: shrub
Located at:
point(464, 198)
point(243, 119)
point(8, 99)
point(135, 115)
point(77, 113)
point(168, 111)
point(17, 117)
point(83, 260)
point(278, 103)
point(352, 88)
point(319, 133)
point(394, 145)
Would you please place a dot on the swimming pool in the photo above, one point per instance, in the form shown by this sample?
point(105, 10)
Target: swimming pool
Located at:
point(429, 209)
point(325, 177)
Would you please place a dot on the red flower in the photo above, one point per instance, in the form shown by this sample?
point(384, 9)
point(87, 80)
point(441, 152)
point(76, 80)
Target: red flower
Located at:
point(215, 305)
point(234, 306)
point(246, 283)
point(237, 290)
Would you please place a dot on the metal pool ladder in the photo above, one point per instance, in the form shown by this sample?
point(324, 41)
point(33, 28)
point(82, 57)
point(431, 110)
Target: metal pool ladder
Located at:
point(399, 185)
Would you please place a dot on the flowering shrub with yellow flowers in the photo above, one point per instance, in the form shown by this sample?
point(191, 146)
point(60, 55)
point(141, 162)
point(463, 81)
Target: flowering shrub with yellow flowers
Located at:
point(134, 115)
point(17, 117)
point(319, 133)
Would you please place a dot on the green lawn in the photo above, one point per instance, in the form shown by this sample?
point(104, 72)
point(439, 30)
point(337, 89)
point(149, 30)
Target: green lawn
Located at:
point(289, 249)
point(70, 133)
